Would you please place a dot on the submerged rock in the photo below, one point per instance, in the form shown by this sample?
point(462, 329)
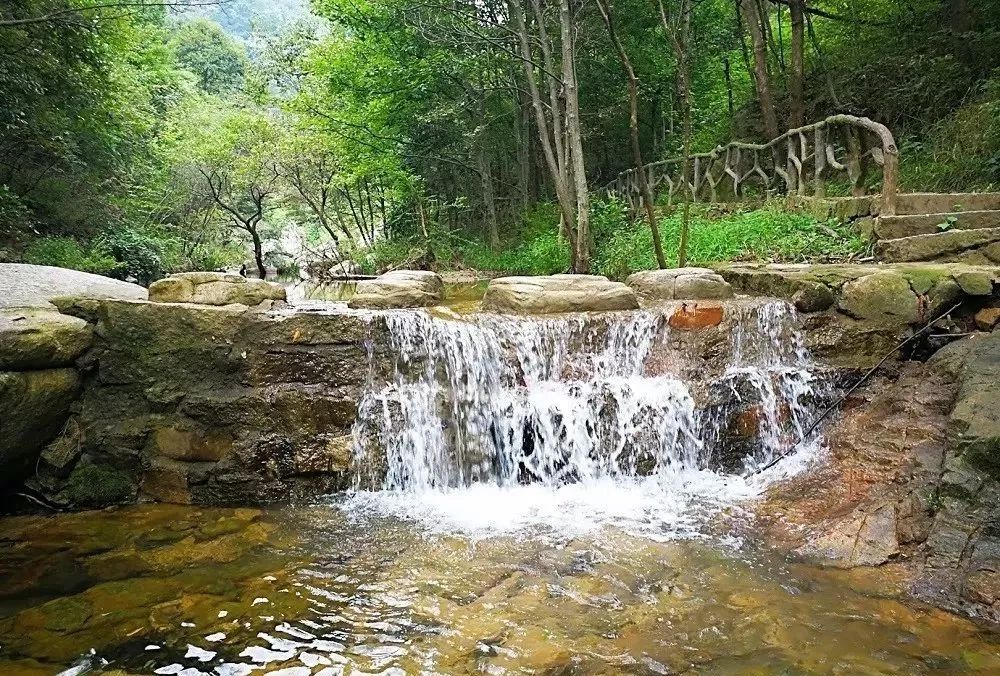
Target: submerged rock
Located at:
point(680, 284)
point(399, 289)
point(558, 293)
point(214, 288)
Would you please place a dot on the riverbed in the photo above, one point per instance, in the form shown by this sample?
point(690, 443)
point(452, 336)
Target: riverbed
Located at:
point(322, 590)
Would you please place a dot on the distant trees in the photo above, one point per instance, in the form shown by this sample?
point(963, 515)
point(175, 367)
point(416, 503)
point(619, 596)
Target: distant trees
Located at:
point(203, 48)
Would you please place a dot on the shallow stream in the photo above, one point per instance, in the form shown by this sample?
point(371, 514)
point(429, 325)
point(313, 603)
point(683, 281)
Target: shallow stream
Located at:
point(315, 590)
point(532, 497)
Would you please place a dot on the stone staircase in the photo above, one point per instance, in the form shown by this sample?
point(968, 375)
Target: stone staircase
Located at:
point(943, 227)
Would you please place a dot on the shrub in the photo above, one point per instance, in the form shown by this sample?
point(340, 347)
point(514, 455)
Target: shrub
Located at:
point(138, 254)
point(66, 252)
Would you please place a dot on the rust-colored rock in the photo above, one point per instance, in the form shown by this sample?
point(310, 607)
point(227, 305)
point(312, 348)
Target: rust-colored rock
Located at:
point(694, 316)
point(987, 318)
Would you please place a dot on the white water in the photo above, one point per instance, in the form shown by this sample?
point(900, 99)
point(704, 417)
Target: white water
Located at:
point(498, 424)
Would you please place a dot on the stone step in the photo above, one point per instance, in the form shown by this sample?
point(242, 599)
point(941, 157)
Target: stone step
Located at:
point(938, 203)
point(895, 227)
point(976, 246)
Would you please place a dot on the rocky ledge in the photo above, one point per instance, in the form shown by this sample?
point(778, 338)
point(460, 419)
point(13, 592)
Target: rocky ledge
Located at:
point(216, 288)
point(872, 307)
point(911, 484)
point(38, 350)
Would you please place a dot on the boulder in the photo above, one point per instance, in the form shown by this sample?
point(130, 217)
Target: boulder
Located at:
point(214, 288)
point(36, 338)
point(399, 289)
point(558, 293)
point(883, 297)
point(680, 284)
point(34, 406)
point(974, 425)
point(24, 285)
point(987, 318)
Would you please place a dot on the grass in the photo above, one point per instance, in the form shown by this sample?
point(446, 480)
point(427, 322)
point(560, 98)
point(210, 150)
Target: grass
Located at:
point(621, 246)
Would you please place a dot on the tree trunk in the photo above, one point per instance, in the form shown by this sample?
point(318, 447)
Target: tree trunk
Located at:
point(796, 113)
point(633, 126)
point(489, 199)
point(258, 249)
point(575, 138)
point(679, 33)
point(545, 140)
point(761, 77)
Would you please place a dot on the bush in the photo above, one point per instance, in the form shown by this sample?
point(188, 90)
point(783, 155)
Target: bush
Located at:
point(138, 254)
point(66, 252)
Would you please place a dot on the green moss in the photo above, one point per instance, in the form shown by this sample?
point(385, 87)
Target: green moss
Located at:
point(98, 486)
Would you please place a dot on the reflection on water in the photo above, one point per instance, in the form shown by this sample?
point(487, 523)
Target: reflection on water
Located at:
point(461, 297)
point(297, 591)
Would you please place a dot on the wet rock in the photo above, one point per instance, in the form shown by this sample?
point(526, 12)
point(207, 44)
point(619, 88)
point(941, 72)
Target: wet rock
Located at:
point(399, 289)
point(214, 288)
point(178, 443)
point(166, 481)
point(680, 284)
point(884, 297)
point(34, 405)
point(813, 297)
point(38, 339)
point(867, 538)
point(987, 318)
point(558, 293)
point(695, 316)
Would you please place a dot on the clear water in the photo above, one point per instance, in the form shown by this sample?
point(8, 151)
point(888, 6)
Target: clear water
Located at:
point(314, 591)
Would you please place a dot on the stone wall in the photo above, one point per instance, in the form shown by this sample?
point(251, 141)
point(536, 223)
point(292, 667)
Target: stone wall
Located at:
point(221, 405)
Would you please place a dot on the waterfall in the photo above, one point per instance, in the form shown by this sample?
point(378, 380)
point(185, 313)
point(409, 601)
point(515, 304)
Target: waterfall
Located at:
point(505, 400)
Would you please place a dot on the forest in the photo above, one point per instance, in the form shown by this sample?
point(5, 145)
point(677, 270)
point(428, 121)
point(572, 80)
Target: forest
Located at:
point(143, 137)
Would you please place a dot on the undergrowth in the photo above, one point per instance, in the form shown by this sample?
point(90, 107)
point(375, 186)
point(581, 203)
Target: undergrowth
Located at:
point(622, 246)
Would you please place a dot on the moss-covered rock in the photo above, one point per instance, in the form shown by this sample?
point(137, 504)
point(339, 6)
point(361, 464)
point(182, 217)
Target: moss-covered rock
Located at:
point(40, 339)
point(99, 486)
point(884, 297)
point(214, 288)
point(34, 406)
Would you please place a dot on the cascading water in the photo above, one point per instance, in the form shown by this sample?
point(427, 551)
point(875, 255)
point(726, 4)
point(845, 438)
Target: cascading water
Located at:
point(566, 414)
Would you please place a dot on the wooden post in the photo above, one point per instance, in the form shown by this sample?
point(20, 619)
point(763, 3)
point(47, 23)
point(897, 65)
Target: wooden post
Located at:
point(890, 181)
point(791, 182)
point(819, 180)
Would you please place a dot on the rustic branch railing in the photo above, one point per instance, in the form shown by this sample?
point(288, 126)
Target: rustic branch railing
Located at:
point(790, 164)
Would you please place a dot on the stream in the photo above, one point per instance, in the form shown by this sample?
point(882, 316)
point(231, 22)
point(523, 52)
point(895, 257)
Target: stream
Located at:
point(531, 496)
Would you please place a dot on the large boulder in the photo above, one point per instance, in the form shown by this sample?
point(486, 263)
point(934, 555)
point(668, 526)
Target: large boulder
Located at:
point(34, 406)
point(214, 288)
point(680, 284)
point(36, 338)
point(399, 289)
point(558, 293)
point(23, 285)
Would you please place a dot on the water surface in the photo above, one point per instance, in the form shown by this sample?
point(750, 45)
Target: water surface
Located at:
point(310, 590)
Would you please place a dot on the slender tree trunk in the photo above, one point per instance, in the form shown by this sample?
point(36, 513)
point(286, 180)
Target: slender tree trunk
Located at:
point(575, 136)
point(796, 113)
point(761, 77)
point(679, 32)
point(607, 10)
point(489, 199)
point(545, 140)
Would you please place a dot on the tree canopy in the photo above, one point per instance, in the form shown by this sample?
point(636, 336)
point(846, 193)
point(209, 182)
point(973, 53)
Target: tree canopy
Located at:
point(141, 137)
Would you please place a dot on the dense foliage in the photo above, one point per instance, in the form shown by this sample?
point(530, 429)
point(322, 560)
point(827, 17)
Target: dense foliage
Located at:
point(137, 139)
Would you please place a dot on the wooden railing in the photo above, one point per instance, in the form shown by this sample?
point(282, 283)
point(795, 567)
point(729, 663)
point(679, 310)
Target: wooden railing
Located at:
point(799, 162)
